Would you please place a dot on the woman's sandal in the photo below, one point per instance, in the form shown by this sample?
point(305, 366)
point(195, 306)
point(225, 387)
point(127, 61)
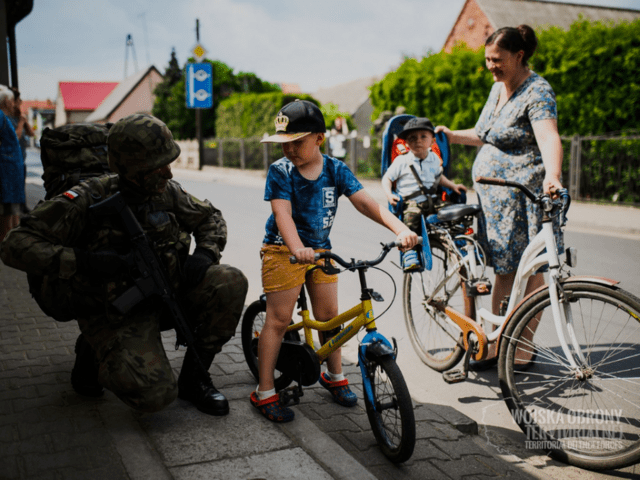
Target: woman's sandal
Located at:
point(339, 390)
point(272, 408)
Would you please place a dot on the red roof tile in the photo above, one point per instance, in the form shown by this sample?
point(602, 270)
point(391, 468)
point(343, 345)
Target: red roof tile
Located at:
point(85, 95)
point(36, 104)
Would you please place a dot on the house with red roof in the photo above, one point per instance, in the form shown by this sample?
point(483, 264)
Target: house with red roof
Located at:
point(77, 100)
point(133, 95)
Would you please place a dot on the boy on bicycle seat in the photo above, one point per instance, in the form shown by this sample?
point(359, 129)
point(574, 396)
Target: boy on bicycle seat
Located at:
point(303, 188)
point(419, 134)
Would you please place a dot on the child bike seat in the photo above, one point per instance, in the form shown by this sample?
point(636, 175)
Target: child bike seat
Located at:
point(454, 213)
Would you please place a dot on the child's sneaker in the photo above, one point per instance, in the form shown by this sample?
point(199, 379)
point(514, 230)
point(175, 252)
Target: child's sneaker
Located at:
point(339, 390)
point(410, 261)
point(272, 409)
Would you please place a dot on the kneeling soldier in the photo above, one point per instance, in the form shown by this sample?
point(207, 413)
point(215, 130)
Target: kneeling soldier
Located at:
point(89, 259)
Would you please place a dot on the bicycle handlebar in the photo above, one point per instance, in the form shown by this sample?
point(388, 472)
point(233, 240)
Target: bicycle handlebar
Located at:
point(544, 200)
point(386, 248)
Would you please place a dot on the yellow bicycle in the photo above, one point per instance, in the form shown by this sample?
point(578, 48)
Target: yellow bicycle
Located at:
point(387, 400)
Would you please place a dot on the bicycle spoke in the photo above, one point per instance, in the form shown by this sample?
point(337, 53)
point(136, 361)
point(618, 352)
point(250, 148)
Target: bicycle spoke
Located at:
point(590, 413)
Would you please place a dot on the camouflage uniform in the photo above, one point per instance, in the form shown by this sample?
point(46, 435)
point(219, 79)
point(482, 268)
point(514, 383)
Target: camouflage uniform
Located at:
point(132, 360)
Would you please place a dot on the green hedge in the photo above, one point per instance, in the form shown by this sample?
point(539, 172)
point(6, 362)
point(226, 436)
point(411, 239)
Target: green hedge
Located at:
point(450, 89)
point(593, 68)
point(252, 115)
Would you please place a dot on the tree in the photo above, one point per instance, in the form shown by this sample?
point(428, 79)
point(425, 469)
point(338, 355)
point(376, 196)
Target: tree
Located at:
point(171, 106)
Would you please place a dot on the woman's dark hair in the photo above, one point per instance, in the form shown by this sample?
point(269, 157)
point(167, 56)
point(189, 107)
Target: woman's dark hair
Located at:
point(515, 39)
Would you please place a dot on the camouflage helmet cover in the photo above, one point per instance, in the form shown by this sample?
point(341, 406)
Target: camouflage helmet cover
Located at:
point(140, 143)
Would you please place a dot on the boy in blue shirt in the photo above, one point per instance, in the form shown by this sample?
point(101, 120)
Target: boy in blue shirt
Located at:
point(303, 188)
point(419, 135)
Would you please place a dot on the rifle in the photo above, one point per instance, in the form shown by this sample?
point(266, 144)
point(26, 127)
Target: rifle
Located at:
point(153, 279)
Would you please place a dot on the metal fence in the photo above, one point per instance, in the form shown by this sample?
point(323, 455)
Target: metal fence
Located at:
point(603, 168)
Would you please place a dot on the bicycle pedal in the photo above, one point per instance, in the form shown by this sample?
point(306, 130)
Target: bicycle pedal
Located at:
point(454, 376)
point(291, 395)
point(477, 287)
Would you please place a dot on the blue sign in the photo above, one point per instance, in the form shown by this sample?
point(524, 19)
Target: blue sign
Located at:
point(199, 85)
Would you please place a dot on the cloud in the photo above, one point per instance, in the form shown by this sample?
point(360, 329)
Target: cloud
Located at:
point(313, 44)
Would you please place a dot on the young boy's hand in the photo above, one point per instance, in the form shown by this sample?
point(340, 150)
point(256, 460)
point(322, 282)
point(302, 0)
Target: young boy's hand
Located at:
point(393, 199)
point(408, 239)
point(459, 188)
point(305, 255)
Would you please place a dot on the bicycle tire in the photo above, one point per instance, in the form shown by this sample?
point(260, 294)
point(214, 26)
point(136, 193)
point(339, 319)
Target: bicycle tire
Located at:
point(591, 422)
point(434, 337)
point(391, 413)
point(252, 324)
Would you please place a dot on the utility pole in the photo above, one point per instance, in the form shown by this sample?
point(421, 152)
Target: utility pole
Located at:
point(129, 45)
point(198, 114)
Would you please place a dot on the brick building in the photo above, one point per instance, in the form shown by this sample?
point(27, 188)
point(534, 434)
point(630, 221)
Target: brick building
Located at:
point(480, 18)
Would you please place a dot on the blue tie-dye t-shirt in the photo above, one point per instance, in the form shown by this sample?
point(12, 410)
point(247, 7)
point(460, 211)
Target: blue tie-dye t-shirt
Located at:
point(313, 202)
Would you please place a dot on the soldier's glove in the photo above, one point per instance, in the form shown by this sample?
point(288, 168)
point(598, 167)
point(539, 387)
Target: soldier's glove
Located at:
point(105, 262)
point(196, 265)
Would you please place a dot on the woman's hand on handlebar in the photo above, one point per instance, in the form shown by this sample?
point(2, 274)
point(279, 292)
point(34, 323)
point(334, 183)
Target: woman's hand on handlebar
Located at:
point(551, 185)
point(408, 239)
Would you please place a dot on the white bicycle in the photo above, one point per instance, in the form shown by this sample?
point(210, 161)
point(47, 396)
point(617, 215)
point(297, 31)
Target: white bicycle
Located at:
point(568, 353)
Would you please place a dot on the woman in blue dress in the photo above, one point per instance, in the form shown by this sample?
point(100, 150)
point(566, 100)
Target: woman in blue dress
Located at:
point(518, 133)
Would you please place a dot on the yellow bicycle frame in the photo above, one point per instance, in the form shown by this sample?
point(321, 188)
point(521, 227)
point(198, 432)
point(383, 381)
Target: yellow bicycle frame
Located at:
point(362, 313)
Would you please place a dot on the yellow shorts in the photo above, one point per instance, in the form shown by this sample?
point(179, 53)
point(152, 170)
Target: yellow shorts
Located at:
point(278, 274)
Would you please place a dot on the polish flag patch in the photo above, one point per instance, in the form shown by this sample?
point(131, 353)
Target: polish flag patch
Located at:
point(70, 194)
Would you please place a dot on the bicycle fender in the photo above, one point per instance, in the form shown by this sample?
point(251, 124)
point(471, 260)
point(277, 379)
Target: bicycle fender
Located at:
point(373, 344)
point(575, 279)
point(591, 279)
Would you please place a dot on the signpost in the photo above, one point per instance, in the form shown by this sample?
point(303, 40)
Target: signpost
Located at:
point(199, 87)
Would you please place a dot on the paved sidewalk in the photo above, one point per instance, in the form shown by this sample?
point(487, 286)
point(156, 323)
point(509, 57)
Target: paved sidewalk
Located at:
point(47, 431)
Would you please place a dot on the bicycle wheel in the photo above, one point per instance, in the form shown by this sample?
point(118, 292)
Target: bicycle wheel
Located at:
point(589, 418)
point(435, 338)
point(390, 411)
point(252, 324)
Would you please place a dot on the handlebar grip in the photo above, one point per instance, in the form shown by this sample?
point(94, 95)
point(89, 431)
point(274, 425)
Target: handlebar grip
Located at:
point(491, 181)
point(398, 244)
point(507, 183)
point(294, 260)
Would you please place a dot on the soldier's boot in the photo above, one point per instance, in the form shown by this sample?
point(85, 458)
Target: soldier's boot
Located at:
point(197, 388)
point(84, 376)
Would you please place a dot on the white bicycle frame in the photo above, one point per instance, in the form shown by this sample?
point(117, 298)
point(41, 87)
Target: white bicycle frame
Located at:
point(533, 258)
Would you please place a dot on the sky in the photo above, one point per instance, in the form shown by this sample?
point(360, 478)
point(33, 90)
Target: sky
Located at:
point(309, 43)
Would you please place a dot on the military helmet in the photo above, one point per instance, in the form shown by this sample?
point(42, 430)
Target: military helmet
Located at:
point(140, 143)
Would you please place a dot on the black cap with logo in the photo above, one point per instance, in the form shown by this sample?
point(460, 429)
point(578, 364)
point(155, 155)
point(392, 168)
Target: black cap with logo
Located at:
point(296, 120)
point(418, 123)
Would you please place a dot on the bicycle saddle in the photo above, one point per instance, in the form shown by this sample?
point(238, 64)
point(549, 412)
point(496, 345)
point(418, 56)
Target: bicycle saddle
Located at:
point(453, 213)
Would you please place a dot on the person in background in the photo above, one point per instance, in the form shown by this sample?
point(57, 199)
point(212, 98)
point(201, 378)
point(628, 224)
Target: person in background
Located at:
point(518, 135)
point(23, 132)
point(12, 193)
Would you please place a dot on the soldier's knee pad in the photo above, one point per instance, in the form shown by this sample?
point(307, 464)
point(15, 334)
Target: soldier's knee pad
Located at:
point(228, 280)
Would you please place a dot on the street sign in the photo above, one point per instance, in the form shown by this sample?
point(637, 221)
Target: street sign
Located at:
point(199, 52)
point(199, 85)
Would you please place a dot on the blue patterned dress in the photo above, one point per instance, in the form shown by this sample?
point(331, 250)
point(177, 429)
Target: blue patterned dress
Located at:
point(510, 152)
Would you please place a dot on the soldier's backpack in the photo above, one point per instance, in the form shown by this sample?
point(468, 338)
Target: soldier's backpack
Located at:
point(72, 153)
point(69, 154)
